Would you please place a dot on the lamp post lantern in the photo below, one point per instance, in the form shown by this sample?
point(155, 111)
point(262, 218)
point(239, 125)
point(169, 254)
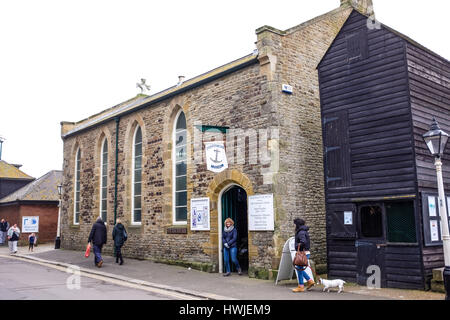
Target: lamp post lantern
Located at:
point(436, 139)
point(58, 231)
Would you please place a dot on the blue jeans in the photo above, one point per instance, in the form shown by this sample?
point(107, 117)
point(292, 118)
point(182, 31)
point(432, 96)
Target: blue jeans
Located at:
point(301, 273)
point(226, 258)
point(97, 254)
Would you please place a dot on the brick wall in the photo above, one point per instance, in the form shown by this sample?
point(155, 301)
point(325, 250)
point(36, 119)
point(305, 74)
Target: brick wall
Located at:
point(48, 219)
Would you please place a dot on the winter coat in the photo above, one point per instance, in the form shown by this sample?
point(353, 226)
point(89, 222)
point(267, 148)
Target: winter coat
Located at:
point(14, 234)
point(4, 226)
point(98, 233)
point(230, 237)
point(302, 238)
point(119, 235)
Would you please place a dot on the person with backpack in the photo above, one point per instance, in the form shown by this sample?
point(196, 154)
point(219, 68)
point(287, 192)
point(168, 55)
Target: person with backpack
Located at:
point(13, 238)
point(119, 236)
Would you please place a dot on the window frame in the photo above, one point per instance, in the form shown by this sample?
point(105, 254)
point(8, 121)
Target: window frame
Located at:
point(102, 175)
point(174, 169)
point(77, 190)
point(133, 169)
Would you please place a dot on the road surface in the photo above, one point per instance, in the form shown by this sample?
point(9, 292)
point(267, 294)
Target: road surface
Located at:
point(22, 280)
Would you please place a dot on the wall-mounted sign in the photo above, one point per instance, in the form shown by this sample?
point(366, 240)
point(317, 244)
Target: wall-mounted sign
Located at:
point(216, 157)
point(286, 88)
point(432, 206)
point(30, 224)
point(348, 218)
point(200, 214)
point(260, 213)
point(434, 230)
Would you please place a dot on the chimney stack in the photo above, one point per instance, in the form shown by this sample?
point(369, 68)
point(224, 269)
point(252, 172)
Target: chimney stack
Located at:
point(363, 6)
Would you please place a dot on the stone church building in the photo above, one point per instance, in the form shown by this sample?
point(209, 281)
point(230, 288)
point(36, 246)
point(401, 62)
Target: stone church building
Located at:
point(144, 160)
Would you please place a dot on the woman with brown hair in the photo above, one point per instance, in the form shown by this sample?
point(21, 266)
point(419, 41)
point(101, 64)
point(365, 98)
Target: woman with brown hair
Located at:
point(229, 238)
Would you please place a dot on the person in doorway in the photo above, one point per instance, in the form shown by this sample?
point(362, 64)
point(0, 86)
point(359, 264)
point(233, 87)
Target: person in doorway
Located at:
point(302, 239)
point(119, 236)
point(31, 241)
point(13, 237)
point(4, 226)
point(229, 238)
point(98, 239)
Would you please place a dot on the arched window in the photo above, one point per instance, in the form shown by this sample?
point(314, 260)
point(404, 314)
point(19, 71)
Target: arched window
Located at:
point(76, 210)
point(179, 170)
point(104, 181)
point(136, 214)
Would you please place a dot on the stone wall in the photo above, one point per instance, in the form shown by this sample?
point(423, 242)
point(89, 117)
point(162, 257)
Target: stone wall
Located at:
point(293, 56)
point(236, 101)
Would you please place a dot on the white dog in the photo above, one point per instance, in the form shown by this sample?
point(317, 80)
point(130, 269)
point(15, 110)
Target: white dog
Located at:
point(332, 284)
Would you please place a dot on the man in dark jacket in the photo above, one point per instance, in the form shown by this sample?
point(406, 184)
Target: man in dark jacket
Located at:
point(98, 239)
point(4, 226)
point(119, 236)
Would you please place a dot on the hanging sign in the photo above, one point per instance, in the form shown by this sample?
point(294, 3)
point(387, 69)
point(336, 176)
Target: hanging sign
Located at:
point(200, 214)
point(216, 158)
point(260, 213)
point(30, 224)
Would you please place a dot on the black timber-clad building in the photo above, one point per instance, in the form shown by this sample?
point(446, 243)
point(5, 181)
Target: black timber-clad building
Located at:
point(379, 91)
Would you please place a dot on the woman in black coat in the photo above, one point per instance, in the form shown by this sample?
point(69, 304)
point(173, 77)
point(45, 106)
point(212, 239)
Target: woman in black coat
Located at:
point(119, 236)
point(302, 240)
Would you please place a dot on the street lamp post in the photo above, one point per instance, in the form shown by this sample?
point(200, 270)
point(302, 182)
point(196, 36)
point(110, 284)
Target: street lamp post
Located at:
point(58, 231)
point(436, 139)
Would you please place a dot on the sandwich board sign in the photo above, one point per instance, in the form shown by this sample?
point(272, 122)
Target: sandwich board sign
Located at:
point(286, 268)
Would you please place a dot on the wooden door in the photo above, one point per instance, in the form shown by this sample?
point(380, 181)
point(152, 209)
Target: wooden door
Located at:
point(371, 243)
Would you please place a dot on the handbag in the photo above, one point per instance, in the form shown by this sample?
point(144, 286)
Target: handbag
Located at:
point(300, 259)
point(88, 250)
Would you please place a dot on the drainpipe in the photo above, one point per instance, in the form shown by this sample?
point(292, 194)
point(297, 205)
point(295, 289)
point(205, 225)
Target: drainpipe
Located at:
point(116, 168)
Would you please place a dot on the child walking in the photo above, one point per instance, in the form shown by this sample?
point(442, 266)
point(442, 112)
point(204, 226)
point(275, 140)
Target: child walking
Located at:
point(31, 241)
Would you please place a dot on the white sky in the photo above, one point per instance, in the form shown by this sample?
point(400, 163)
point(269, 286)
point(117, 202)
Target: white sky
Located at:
point(65, 60)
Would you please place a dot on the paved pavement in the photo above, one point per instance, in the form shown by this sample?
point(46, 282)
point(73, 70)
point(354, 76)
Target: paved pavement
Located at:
point(210, 285)
point(21, 280)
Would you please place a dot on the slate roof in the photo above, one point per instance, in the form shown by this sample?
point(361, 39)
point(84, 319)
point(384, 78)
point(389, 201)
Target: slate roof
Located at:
point(9, 171)
point(43, 189)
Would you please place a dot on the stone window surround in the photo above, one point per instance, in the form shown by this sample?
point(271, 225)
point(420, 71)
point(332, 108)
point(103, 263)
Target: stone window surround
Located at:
point(102, 175)
point(174, 189)
point(77, 168)
point(133, 156)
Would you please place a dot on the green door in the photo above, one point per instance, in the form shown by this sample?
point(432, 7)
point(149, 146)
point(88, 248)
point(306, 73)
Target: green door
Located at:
point(234, 206)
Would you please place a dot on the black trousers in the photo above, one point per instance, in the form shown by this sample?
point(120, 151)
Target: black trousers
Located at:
point(118, 251)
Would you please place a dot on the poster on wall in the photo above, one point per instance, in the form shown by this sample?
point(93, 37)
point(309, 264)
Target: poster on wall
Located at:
point(434, 230)
point(348, 218)
point(30, 224)
point(432, 206)
point(200, 214)
point(260, 213)
point(216, 157)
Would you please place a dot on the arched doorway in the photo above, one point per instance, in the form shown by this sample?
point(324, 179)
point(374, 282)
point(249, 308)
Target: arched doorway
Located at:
point(234, 206)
